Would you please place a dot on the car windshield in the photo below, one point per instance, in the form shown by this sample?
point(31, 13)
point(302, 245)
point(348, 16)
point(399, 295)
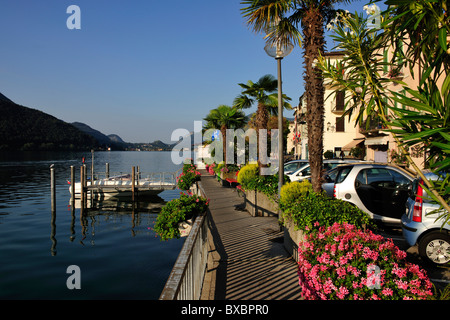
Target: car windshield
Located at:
point(291, 166)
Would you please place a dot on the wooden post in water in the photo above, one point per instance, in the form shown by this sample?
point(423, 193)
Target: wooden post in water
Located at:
point(133, 181)
point(92, 167)
point(82, 190)
point(72, 184)
point(81, 186)
point(137, 175)
point(53, 188)
point(107, 171)
point(85, 184)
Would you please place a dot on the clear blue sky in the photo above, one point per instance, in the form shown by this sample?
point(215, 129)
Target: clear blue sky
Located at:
point(139, 69)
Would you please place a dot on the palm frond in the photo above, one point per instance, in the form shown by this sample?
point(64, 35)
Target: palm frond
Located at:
point(260, 14)
point(284, 32)
point(243, 101)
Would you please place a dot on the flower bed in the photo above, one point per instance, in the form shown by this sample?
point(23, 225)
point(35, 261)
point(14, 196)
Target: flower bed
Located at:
point(344, 262)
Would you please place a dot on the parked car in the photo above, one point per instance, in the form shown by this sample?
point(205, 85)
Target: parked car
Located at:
point(294, 165)
point(420, 225)
point(381, 190)
point(329, 179)
point(304, 172)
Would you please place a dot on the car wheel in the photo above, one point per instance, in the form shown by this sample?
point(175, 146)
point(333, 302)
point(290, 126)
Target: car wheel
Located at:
point(435, 247)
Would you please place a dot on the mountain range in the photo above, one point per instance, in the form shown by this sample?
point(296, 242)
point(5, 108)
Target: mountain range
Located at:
point(23, 128)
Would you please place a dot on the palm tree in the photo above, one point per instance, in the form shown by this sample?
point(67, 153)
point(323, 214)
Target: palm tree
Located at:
point(225, 117)
point(282, 21)
point(264, 93)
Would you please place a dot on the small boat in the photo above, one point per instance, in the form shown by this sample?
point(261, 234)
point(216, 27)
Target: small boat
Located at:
point(121, 185)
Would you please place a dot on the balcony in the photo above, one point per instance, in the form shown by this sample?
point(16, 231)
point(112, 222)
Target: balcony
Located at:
point(371, 128)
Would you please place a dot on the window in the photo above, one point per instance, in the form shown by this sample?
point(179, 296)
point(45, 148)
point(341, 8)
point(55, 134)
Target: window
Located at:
point(400, 180)
point(378, 176)
point(340, 124)
point(343, 173)
point(305, 172)
point(291, 167)
point(340, 97)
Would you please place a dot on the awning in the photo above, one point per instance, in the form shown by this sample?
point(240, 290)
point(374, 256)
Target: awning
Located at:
point(381, 140)
point(352, 144)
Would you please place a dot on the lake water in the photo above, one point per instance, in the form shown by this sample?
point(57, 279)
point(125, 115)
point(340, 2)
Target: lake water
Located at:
point(118, 254)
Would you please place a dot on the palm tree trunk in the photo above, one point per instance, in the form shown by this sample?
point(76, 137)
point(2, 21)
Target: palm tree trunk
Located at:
point(261, 120)
point(223, 130)
point(262, 116)
point(312, 25)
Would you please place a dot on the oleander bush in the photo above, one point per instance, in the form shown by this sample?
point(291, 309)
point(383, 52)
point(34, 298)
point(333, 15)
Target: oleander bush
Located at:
point(178, 210)
point(343, 262)
point(188, 176)
point(211, 168)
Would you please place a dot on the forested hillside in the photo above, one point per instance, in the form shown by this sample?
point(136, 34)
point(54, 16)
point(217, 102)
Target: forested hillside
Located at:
point(23, 128)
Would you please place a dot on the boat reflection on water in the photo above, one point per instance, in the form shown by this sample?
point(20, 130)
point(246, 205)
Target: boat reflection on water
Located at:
point(144, 203)
point(142, 213)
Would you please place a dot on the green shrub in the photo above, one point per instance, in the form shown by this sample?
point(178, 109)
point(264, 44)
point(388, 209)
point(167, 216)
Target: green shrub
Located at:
point(250, 179)
point(176, 211)
point(328, 154)
point(269, 185)
point(314, 207)
point(219, 167)
point(247, 176)
point(291, 191)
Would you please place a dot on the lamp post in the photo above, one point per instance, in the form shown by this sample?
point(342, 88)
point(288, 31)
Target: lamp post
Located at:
point(279, 50)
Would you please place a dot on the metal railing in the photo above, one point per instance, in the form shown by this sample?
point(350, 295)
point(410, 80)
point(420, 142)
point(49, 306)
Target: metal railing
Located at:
point(186, 278)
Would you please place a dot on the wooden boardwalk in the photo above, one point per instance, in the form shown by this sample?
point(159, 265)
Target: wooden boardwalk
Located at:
point(248, 260)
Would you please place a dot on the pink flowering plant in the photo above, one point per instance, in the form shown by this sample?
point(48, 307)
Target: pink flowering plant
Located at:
point(211, 168)
point(343, 262)
point(188, 176)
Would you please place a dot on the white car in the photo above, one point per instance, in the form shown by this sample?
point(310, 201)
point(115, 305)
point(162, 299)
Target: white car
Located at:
point(305, 171)
point(421, 225)
point(294, 165)
point(381, 190)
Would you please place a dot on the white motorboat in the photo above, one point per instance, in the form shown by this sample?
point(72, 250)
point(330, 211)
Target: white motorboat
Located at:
point(121, 185)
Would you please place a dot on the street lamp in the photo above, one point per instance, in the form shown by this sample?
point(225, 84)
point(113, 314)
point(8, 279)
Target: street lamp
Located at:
point(279, 50)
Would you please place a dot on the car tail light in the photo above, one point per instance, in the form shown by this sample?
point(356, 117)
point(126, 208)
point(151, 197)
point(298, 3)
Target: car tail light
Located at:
point(334, 191)
point(417, 212)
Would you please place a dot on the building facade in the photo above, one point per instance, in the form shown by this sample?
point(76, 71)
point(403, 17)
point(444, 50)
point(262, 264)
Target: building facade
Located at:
point(344, 137)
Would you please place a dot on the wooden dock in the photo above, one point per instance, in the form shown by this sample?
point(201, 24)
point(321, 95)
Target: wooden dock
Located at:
point(122, 184)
